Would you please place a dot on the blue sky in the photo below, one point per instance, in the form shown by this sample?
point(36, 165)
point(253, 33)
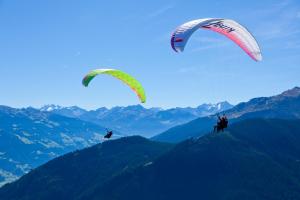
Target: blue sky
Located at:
point(47, 46)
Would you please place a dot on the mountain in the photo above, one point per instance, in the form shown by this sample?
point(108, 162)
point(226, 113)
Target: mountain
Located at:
point(254, 159)
point(285, 106)
point(136, 119)
point(29, 138)
point(67, 177)
point(72, 111)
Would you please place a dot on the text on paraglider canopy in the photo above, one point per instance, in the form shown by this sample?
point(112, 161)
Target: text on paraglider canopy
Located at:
point(219, 24)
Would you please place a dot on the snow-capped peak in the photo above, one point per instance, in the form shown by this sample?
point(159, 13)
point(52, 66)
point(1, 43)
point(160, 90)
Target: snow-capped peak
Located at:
point(50, 107)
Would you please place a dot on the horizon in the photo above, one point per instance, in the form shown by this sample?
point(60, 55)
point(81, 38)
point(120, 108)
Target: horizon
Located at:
point(47, 48)
point(165, 108)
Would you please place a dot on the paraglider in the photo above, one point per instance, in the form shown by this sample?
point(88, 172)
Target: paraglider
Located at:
point(125, 78)
point(221, 124)
point(229, 28)
point(108, 134)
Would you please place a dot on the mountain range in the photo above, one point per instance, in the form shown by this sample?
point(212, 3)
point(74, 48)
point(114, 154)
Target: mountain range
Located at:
point(29, 138)
point(283, 106)
point(254, 159)
point(137, 120)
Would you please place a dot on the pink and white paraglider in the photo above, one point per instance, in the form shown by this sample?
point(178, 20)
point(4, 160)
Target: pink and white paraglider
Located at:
point(229, 28)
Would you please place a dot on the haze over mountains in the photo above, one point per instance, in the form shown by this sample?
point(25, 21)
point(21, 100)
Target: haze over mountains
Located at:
point(30, 137)
point(254, 159)
point(283, 106)
point(137, 120)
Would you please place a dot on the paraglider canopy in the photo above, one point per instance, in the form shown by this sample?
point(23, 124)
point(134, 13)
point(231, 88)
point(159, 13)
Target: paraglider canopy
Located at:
point(227, 27)
point(125, 78)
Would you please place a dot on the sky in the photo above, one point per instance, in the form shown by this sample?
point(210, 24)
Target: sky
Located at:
point(47, 46)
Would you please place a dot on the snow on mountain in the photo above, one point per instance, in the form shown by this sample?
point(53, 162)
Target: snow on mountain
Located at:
point(136, 119)
point(50, 107)
point(30, 137)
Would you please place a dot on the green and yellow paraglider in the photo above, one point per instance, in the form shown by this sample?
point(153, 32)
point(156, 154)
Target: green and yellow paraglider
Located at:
point(124, 77)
